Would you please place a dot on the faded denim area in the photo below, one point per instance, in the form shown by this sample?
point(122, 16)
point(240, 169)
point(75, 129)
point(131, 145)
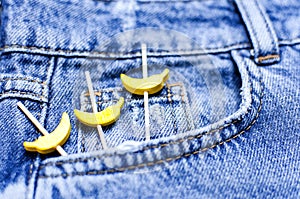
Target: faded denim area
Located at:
point(225, 125)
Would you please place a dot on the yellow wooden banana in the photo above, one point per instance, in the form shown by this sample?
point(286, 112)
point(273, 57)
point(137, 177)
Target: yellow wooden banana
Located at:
point(151, 84)
point(104, 118)
point(48, 143)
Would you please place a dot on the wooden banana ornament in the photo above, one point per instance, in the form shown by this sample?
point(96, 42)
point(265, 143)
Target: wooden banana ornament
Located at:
point(151, 84)
point(103, 118)
point(99, 119)
point(49, 142)
point(145, 86)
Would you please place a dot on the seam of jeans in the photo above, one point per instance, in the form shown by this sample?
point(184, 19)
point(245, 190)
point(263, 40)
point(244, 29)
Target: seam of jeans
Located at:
point(43, 84)
point(289, 42)
point(261, 94)
point(51, 50)
point(175, 125)
point(268, 57)
point(22, 93)
point(187, 107)
point(44, 90)
point(23, 79)
point(83, 53)
point(182, 93)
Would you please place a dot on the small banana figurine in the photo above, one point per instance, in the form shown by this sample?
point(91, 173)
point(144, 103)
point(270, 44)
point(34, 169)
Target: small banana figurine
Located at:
point(104, 118)
point(151, 84)
point(48, 143)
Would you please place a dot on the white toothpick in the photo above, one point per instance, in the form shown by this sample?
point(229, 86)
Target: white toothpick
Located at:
point(94, 107)
point(39, 126)
point(146, 94)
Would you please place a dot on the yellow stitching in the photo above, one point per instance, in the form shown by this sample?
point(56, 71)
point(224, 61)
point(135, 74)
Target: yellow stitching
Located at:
point(141, 165)
point(169, 92)
point(110, 170)
point(159, 162)
point(92, 172)
point(177, 157)
point(248, 127)
point(180, 84)
point(120, 169)
point(260, 59)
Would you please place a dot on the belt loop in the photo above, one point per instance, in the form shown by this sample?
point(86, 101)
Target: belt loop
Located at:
point(262, 34)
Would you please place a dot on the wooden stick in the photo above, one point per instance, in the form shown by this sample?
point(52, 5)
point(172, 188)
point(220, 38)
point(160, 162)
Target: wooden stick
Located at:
point(39, 126)
point(94, 107)
point(146, 94)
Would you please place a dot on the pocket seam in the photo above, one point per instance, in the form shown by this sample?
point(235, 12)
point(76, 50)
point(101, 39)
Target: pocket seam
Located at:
point(39, 95)
point(14, 92)
point(4, 79)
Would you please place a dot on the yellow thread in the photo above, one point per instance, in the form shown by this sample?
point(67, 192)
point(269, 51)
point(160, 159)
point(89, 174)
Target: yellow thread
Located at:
point(260, 59)
point(248, 128)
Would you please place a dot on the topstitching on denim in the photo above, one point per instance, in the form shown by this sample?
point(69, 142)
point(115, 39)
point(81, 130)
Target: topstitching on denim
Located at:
point(19, 91)
point(121, 55)
point(104, 54)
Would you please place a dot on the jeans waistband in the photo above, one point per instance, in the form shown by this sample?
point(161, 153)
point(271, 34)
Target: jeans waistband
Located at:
point(80, 28)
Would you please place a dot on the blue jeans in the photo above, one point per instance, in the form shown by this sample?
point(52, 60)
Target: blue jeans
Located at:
point(225, 125)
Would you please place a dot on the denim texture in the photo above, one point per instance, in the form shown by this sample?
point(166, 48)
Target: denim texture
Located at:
point(226, 124)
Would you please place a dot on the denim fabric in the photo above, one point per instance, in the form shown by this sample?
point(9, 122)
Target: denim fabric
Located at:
point(225, 125)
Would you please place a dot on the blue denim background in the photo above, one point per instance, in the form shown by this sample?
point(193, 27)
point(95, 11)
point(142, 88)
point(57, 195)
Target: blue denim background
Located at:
point(251, 151)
